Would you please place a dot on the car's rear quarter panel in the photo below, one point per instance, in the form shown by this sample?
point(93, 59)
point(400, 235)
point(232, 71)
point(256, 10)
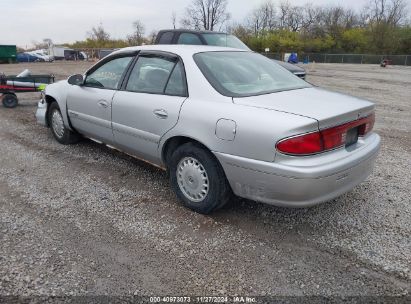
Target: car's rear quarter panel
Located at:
point(256, 133)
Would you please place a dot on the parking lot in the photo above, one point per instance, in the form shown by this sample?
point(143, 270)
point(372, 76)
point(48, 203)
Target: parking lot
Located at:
point(87, 220)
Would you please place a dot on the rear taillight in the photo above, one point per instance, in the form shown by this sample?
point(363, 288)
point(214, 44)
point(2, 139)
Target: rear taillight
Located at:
point(326, 139)
point(367, 126)
point(301, 145)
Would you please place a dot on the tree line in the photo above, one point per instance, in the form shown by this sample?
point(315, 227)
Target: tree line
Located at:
point(380, 27)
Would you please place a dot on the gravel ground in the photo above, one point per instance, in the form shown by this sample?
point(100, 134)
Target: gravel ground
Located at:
point(86, 220)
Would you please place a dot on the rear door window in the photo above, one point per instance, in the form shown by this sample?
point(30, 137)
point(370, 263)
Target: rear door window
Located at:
point(157, 75)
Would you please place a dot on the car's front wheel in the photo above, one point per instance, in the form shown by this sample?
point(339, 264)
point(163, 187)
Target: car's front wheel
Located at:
point(60, 132)
point(198, 179)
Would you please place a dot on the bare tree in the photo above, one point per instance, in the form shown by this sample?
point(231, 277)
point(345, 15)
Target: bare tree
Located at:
point(268, 12)
point(206, 14)
point(391, 12)
point(350, 19)
point(137, 37)
point(152, 37)
point(290, 17)
point(255, 22)
point(45, 44)
point(381, 17)
point(48, 42)
point(174, 20)
point(263, 18)
point(311, 18)
point(330, 20)
point(284, 12)
point(295, 19)
point(99, 33)
point(333, 20)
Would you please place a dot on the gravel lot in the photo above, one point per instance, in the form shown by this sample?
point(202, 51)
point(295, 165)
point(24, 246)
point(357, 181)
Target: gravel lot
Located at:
point(86, 220)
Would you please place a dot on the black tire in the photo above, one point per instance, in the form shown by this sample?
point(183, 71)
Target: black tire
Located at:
point(63, 135)
point(218, 190)
point(10, 101)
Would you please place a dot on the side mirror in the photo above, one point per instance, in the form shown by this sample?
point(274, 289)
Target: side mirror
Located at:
point(76, 80)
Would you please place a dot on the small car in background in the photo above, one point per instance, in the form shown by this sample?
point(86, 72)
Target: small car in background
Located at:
point(295, 69)
point(220, 121)
point(26, 57)
point(190, 37)
point(42, 57)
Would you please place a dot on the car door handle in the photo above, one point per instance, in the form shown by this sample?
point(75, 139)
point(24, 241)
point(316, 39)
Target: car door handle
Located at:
point(103, 104)
point(161, 113)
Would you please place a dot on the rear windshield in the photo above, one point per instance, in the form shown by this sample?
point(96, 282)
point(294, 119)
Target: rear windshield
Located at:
point(242, 74)
point(225, 41)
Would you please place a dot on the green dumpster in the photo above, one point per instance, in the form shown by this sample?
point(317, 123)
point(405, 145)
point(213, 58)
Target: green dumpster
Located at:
point(8, 53)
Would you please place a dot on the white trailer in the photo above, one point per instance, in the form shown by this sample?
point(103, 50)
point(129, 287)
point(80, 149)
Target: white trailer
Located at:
point(58, 52)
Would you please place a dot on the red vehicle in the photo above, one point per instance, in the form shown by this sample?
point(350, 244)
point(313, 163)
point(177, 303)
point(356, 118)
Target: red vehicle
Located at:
point(11, 85)
point(385, 62)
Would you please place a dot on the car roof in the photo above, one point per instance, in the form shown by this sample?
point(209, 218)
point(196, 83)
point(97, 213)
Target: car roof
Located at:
point(178, 49)
point(191, 31)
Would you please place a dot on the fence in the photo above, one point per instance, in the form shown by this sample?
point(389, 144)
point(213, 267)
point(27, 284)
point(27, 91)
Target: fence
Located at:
point(89, 54)
point(347, 58)
point(96, 53)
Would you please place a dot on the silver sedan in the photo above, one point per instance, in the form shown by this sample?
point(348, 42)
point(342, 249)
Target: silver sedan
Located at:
point(221, 121)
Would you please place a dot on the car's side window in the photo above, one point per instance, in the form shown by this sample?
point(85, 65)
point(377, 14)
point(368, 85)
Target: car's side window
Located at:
point(157, 75)
point(166, 38)
point(189, 38)
point(108, 75)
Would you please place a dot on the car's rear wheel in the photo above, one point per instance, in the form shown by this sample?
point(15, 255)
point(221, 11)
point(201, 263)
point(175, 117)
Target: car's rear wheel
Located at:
point(198, 179)
point(60, 132)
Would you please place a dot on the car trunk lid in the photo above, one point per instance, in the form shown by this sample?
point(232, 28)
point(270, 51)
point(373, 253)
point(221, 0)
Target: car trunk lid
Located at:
point(328, 108)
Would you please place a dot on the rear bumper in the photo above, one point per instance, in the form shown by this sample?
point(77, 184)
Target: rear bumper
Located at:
point(41, 113)
point(291, 185)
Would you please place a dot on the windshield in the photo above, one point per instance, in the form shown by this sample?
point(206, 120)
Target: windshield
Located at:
point(225, 41)
point(242, 74)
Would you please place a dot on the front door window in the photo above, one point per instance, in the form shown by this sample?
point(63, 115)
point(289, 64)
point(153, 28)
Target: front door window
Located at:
point(108, 75)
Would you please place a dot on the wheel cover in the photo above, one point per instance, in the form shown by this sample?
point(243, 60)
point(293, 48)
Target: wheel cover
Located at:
point(192, 179)
point(57, 124)
point(9, 100)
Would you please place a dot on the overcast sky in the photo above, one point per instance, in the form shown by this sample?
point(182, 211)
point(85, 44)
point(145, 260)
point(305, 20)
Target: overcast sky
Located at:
point(24, 21)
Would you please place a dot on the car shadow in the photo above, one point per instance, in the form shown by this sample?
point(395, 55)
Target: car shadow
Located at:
point(245, 213)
